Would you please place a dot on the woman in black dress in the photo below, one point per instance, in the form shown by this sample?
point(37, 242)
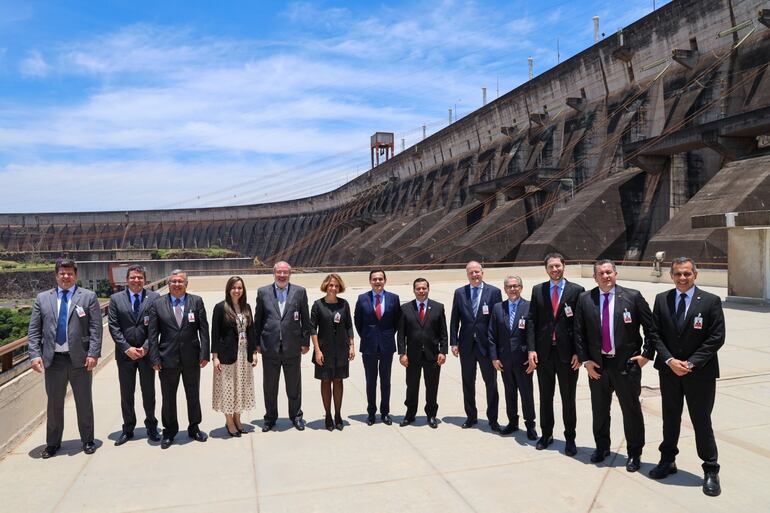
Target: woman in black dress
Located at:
point(331, 327)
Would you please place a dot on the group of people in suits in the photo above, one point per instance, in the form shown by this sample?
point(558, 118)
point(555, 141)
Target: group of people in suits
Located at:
point(561, 328)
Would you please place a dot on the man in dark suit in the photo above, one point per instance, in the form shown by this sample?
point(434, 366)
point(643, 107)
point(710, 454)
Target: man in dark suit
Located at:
point(282, 328)
point(471, 310)
point(508, 351)
point(422, 346)
point(551, 345)
point(128, 318)
point(179, 347)
point(376, 317)
point(65, 340)
point(607, 322)
point(691, 329)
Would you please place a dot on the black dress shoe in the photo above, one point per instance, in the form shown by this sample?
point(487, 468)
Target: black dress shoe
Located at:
point(494, 426)
point(663, 469)
point(599, 455)
point(469, 423)
point(570, 449)
point(198, 436)
point(543, 443)
point(633, 464)
point(531, 434)
point(338, 424)
point(153, 435)
point(299, 424)
point(370, 420)
point(386, 419)
point(235, 434)
point(432, 422)
point(89, 447)
point(711, 484)
point(510, 428)
point(123, 438)
point(49, 451)
point(166, 443)
point(329, 423)
point(406, 422)
point(267, 426)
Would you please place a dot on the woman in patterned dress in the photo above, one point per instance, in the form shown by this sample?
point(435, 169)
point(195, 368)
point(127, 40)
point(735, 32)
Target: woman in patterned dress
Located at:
point(331, 327)
point(233, 353)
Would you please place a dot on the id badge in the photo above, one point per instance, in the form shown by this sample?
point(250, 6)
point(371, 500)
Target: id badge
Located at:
point(337, 318)
point(697, 322)
point(485, 309)
point(190, 317)
point(627, 317)
point(80, 311)
point(522, 323)
point(146, 320)
point(296, 315)
point(568, 311)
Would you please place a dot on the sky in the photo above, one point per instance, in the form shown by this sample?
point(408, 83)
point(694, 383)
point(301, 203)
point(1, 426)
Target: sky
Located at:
point(133, 105)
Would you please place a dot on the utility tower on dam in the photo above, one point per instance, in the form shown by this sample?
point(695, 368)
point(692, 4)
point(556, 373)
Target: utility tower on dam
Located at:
point(610, 153)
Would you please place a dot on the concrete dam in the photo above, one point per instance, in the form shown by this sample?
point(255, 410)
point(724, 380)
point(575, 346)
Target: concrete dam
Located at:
point(609, 154)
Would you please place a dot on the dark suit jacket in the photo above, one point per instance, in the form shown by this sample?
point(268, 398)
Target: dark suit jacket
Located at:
point(542, 322)
point(377, 336)
point(503, 341)
point(172, 346)
point(628, 340)
point(126, 330)
point(224, 337)
point(698, 346)
point(428, 338)
point(84, 334)
point(466, 330)
point(290, 330)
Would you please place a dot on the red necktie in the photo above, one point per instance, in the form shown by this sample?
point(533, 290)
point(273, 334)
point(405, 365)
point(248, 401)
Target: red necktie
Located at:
point(555, 300)
point(422, 313)
point(377, 307)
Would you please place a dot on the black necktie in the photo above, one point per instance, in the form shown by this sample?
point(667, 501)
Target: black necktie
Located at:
point(137, 302)
point(680, 309)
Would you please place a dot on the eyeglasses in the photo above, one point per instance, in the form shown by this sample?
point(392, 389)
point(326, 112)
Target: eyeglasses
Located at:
point(513, 286)
point(685, 274)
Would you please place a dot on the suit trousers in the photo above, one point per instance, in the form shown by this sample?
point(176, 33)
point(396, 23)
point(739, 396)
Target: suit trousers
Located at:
point(292, 376)
point(127, 370)
point(515, 378)
point(169, 383)
point(57, 375)
point(377, 364)
point(548, 372)
point(627, 385)
point(431, 371)
point(468, 364)
point(699, 394)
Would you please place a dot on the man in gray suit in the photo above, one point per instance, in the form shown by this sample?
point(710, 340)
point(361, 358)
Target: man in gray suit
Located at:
point(128, 318)
point(282, 325)
point(65, 340)
point(179, 348)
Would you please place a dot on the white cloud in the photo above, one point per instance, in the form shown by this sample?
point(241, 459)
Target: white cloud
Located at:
point(34, 65)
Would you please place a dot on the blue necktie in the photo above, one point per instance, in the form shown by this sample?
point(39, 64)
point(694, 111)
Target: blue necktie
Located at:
point(137, 302)
point(512, 315)
point(475, 299)
point(61, 324)
point(680, 311)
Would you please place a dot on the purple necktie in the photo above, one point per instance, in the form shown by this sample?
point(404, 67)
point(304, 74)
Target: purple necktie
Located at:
point(606, 340)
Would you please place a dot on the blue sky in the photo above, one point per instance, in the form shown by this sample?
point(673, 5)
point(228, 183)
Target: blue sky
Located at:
point(115, 105)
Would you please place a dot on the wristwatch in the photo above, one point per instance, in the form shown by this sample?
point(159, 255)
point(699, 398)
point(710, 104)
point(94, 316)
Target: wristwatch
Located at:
point(690, 365)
